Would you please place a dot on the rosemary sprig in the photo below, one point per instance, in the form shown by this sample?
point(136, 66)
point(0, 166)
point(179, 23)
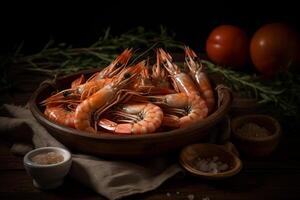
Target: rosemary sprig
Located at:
point(63, 59)
point(282, 93)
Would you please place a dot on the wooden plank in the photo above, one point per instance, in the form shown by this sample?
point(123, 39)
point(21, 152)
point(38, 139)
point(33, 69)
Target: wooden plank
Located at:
point(18, 184)
point(242, 186)
point(9, 161)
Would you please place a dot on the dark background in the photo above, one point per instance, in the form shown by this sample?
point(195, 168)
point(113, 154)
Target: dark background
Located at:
point(82, 23)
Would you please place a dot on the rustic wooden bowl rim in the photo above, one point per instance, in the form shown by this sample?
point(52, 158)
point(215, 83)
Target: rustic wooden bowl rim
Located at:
point(236, 122)
point(228, 173)
point(225, 105)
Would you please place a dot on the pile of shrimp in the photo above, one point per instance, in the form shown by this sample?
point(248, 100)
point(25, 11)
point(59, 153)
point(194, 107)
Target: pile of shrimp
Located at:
point(135, 99)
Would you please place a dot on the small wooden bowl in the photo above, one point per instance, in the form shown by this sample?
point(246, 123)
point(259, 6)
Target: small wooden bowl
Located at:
point(244, 106)
point(256, 146)
point(192, 152)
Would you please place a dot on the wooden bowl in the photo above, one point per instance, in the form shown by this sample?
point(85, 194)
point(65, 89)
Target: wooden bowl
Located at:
point(256, 146)
point(192, 152)
point(220, 133)
point(244, 106)
point(108, 145)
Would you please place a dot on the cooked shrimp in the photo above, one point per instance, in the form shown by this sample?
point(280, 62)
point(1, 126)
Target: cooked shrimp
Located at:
point(80, 90)
point(61, 114)
point(136, 118)
point(106, 97)
point(78, 93)
point(159, 75)
point(160, 78)
point(200, 77)
point(144, 83)
point(78, 81)
point(89, 88)
point(114, 68)
point(170, 121)
point(153, 84)
point(183, 108)
point(181, 81)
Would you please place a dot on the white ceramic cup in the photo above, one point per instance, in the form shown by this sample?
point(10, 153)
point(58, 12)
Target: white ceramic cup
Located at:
point(48, 176)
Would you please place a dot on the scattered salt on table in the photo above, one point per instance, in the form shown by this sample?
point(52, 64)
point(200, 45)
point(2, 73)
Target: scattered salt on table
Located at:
point(191, 197)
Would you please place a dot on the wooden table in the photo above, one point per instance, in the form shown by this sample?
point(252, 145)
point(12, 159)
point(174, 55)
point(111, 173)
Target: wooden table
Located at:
point(274, 177)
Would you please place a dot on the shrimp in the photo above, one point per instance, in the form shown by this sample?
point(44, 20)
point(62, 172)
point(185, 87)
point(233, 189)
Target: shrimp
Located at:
point(198, 74)
point(135, 118)
point(103, 99)
point(62, 114)
point(78, 81)
point(152, 84)
point(144, 84)
point(159, 75)
point(80, 90)
point(160, 78)
point(77, 93)
point(181, 81)
point(89, 88)
point(114, 68)
point(181, 109)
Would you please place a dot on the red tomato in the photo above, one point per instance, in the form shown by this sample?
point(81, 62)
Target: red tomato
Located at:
point(274, 47)
point(228, 45)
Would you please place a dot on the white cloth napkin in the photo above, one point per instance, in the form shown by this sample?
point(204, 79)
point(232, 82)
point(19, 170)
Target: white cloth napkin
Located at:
point(112, 179)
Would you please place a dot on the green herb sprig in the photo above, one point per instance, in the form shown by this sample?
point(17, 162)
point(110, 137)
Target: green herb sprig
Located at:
point(281, 93)
point(64, 59)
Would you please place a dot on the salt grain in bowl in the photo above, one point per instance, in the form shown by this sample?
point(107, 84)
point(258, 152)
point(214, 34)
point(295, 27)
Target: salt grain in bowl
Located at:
point(210, 165)
point(253, 130)
point(47, 158)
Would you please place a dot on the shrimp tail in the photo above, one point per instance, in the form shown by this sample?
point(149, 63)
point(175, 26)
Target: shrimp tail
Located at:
point(124, 129)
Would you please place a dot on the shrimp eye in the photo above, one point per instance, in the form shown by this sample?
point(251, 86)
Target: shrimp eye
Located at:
point(127, 75)
point(66, 93)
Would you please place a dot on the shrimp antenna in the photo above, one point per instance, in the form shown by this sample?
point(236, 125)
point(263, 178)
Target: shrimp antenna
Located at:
point(144, 53)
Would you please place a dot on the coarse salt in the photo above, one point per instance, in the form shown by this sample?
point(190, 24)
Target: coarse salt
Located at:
point(47, 158)
point(253, 130)
point(191, 197)
point(211, 165)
